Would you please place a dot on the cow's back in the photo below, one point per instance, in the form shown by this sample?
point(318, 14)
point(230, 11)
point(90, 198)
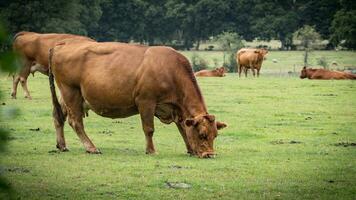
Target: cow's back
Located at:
point(35, 46)
point(111, 75)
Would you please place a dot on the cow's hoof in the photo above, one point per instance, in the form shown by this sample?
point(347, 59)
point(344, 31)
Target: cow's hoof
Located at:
point(13, 96)
point(94, 151)
point(61, 148)
point(28, 97)
point(151, 152)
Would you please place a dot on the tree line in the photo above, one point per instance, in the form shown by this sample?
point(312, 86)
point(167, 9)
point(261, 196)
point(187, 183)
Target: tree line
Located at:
point(182, 23)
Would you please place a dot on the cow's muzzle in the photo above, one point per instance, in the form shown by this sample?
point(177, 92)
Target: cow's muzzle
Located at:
point(208, 154)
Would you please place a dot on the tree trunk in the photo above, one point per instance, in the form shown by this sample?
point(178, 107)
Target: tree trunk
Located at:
point(198, 44)
point(306, 57)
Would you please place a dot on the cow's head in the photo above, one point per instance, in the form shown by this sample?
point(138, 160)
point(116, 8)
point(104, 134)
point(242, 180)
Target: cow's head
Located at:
point(220, 71)
point(262, 52)
point(201, 132)
point(303, 73)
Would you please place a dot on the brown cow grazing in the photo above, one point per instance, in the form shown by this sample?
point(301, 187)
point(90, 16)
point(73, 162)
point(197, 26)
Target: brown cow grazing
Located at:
point(250, 59)
point(217, 72)
point(324, 74)
point(118, 80)
point(34, 47)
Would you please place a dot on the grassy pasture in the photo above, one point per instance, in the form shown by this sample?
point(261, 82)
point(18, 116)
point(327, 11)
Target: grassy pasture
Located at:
point(286, 60)
point(287, 139)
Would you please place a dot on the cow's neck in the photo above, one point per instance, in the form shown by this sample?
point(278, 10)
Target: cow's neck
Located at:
point(192, 103)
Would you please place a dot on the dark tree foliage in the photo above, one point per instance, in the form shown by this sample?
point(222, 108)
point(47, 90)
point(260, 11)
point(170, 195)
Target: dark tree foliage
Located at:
point(343, 27)
point(319, 14)
point(44, 16)
point(182, 22)
point(7, 64)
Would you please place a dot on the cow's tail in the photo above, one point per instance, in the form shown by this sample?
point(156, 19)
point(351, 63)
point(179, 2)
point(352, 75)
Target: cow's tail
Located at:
point(18, 34)
point(57, 111)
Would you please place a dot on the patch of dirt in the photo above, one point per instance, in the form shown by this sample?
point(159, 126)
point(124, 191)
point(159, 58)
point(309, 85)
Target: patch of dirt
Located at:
point(178, 167)
point(308, 118)
point(11, 138)
point(34, 129)
point(177, 185)
point(19, 170)
point(3, 103)
point(326, 95)
point(106, 132)
point(53, 151)
point(346, 144)
point(129, 151)
point(285, 142)
point(109, 193)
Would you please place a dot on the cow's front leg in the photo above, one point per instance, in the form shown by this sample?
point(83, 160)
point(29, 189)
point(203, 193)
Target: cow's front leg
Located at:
point(253, 71)
point(15, 82)
point(23, 75)
point(147, 110)
point(184, 135)
point(23, 82)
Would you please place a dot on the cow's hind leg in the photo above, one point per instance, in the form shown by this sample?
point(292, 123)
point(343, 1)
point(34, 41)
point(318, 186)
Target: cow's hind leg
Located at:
point(59, 125)
point(147, 110)
point(184, 135)
point(74, 106)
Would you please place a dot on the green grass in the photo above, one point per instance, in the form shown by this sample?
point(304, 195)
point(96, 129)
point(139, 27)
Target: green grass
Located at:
point(259, 154)
point(286, 60)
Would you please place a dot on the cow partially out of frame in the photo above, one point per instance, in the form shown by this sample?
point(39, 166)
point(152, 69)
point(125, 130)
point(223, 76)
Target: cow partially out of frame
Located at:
point(33, 49)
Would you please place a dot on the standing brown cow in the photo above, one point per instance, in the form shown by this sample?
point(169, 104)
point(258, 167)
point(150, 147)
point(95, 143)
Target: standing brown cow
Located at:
point(34, 47)
point(118, 80)
point(217, 72)
point(324, 74)
point(250, 59)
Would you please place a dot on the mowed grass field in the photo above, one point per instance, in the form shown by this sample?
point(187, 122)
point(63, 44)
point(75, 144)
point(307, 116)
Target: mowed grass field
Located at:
point(286, 138)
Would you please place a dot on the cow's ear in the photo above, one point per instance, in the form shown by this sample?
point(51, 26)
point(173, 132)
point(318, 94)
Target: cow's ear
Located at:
point(190, 122)
point(304, 67)
point(210, 118)
point(257, 51)
point(220, 125)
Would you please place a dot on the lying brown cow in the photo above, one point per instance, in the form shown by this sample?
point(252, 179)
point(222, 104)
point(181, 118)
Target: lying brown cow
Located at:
point(34, 47)
point(324, 74)
point(118, 80)
point(250, 59)
point(217, 72)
